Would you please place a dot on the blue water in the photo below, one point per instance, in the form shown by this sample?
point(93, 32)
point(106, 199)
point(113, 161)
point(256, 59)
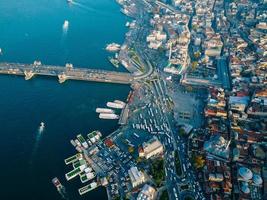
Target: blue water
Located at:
point(32, 30)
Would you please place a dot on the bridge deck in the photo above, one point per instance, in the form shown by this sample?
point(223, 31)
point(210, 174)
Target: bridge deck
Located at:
point(83, 74)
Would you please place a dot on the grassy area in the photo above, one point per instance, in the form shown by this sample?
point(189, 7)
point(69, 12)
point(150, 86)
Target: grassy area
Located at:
point(164, 195)
point(136, 59)
point(134, 56)
point(157, 171)
point(177, 164)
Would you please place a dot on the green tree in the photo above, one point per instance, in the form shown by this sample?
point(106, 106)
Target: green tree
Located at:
point(130, 149)
point(197, 55)
point(182, 132)
point(198, 161)
point(194, 65)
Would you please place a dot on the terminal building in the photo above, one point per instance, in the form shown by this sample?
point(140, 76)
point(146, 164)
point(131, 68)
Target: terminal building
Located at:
point(137, 177)
point(151, 148)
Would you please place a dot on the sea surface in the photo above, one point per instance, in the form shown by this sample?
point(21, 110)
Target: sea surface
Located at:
point(33, 30)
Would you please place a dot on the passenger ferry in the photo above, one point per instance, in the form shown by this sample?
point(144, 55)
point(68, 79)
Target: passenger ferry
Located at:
point(60, 188)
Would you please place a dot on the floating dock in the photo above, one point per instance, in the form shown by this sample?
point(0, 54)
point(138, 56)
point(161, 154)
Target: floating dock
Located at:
point(115, 62)
point(73, 159)
point(84, 177)
point(88, 188)
point(75, 172)
point(94, 136)
point(79, 163)
point(82, 141)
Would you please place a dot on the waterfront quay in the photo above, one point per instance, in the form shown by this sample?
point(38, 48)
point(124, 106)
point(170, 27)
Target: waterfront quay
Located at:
point(113, 158)
point(146, 155)
point(65, 73)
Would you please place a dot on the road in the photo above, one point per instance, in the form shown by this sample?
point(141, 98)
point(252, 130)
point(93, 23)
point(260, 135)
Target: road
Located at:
point(173, 142)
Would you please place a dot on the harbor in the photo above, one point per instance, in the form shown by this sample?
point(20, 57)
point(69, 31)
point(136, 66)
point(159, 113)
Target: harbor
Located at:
point(82, 164)
point(192, 127)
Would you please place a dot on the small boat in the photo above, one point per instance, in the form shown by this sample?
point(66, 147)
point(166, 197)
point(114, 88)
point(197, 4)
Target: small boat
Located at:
point(1, 51)
point(69, 1)
point(56, 183)
point(66, 24)
point(60, 188)
point(42, 125)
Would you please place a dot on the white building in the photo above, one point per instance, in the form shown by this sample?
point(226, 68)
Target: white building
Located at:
point(155, 44)
point(137, 177)
point(161, 36)
point(171, 70)
point(212, 52)
point(150, 38)
point(147, 193)
point(262, 25)
point(151, 148)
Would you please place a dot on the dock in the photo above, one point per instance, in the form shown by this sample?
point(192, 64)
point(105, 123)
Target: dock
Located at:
point(124, 115)
point(88, 188)
point(65, 73)
point(73, 159)
point(78, 163)
point(84, 177)
point(75, 172)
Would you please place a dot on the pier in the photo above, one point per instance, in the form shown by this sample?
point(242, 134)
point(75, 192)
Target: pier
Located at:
point(65, 73)
point(124, 115)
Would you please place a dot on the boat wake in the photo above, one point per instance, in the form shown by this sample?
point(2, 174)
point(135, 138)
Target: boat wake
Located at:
point(82, 6)
point(64, 32)
point(38, 138)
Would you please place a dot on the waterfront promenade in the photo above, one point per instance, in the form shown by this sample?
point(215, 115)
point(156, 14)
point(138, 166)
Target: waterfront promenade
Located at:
point(65, 73)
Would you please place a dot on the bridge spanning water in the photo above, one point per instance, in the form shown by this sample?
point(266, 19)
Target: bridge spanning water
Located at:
point(65, 73)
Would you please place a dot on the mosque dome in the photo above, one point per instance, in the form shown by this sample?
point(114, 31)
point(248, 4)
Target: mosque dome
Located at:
point(257, 179)
point(245, 188)
point(245, 173)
